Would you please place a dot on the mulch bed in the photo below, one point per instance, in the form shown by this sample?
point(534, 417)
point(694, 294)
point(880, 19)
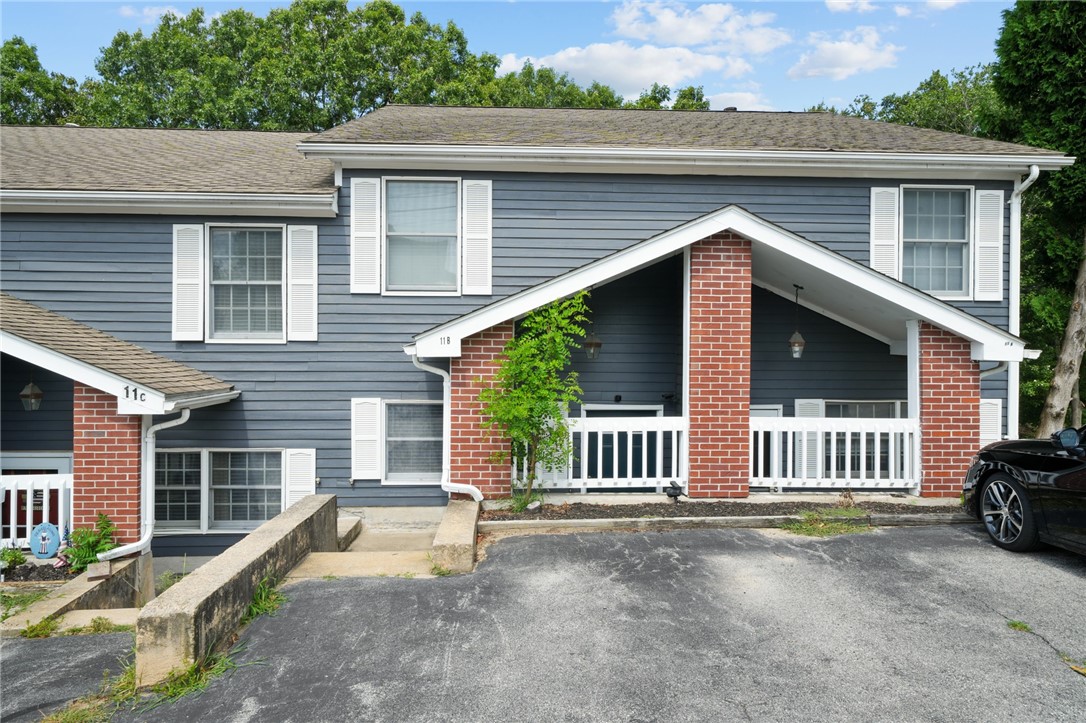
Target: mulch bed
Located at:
point(36, 573)
point(585, 511)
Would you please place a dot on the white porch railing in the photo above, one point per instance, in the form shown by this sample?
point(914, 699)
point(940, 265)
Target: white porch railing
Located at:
point(31, 499)
point(620, 453)
point(834, 453)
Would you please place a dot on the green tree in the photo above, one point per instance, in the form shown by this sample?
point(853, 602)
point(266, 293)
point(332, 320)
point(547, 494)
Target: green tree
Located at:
point(690, 98)
point(29, 95)
point(1041, 78)
point(528, 401)
point(544, 87)
point(655, 98)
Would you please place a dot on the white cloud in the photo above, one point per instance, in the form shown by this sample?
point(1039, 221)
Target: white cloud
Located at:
point(853, 52)
point(902, 11)
point(740, 100)
point(943, 4)
point(848, 6)
point(721, 25)
point(148, 14)
point(628, 69)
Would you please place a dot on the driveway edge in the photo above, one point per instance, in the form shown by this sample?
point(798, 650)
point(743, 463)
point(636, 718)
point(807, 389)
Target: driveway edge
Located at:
point(676, 523)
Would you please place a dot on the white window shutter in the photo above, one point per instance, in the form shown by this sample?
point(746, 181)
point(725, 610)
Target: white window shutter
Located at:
point(988, 267)
point(885, 244)
point(299, 475)
point(478, 233)
point(188, 282)
point(366, 453)
point(807, 454)
point(302, 283)
point(365, 235)
point(991, 421)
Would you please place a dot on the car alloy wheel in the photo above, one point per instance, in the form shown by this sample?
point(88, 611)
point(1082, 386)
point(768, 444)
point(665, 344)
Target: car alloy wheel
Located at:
point(1008, 515)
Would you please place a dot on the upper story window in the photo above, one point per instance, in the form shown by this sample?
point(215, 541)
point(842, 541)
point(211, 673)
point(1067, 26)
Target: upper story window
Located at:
point(935, 235)
point(420, 236)
point(947, 241)
point(422, 227)
point(246, 283)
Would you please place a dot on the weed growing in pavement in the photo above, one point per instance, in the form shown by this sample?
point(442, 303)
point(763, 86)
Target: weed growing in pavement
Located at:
point(41, 629)
point(329, 577)
point(440, 570)
point(99, 626)
point(815, 524)
point(1019, 626)
point(12, 603)
point(266, 601)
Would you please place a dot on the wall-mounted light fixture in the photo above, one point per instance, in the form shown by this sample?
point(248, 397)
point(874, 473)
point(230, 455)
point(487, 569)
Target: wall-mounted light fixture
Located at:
point(31, 397)
point(592, 346)
point(796, 342)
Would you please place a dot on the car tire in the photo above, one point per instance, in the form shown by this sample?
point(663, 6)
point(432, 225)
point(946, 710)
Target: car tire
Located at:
point(1007, 514)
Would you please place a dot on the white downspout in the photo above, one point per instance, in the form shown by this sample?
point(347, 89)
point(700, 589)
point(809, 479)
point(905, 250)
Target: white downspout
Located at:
point(1014, 292)
point(446, 422)
point(147, 490)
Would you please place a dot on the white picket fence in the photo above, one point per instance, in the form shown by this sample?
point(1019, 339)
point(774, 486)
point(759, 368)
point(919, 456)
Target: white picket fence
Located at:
point(834, 453)
point(29, 500)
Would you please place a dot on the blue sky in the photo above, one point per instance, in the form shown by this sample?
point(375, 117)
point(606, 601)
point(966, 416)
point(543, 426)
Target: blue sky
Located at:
point(753, 55)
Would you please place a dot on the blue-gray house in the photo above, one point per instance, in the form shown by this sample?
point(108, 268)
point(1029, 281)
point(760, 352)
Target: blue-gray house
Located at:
point(200, 326)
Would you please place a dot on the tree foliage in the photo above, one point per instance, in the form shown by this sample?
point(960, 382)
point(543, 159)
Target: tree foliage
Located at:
point(529, 399)
point(1041, 78)
point(30, 95)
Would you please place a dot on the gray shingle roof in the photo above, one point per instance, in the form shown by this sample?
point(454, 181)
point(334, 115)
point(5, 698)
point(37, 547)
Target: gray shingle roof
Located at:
point(108, 353)
point(154, 159)
point(709, 130)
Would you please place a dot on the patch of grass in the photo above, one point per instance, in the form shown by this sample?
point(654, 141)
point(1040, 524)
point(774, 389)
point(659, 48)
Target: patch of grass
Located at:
point(815, 524)
point(1019, 626)
point(518, 501)
point(266, 601)
point(194, 679)
point(846, 512)
point(42, 629)
point(440, 570)
point(99, 626)
point(406, 575)
point(14, 603)
point(329, 577)
point(167, 580)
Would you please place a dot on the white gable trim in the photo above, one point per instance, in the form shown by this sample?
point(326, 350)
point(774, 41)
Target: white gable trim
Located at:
point(132, 397)
point(988, 342)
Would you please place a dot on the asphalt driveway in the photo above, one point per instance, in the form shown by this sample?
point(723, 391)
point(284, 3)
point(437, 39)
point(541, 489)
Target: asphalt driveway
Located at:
point(897, 624)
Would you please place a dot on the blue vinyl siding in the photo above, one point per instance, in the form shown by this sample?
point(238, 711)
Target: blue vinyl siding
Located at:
point(47, 429)
point(114, 273)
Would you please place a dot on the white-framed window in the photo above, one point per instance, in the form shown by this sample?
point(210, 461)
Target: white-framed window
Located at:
point(945, 240)
point(420, 236)
point(244, 283)
point(863, 409)
point(399, 442)
point(228, 490)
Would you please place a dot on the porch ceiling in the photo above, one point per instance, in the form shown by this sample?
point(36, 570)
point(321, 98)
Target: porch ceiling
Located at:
point(834, 286)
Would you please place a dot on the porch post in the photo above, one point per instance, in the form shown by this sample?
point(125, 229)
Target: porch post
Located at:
point(949, 410)
point(106, 451)
point(718, 370)
point(471, 447)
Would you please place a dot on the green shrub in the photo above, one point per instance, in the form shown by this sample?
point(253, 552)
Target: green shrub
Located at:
point(88, 543)
point(12, 557)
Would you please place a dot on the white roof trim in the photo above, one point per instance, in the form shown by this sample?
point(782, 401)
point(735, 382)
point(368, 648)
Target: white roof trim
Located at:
point(132, 397)
point(989, 343)
point(322, 205)
point(671, 160)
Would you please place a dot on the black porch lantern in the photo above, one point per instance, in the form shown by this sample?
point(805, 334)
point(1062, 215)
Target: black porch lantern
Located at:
point(592, 346)
point(31, 397)
point(796, 342)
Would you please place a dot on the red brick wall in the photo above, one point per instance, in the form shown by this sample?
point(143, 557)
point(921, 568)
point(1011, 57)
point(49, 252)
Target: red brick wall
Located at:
point(949, 411)
point(719, 396)
point(106, 448)
point(472, 445)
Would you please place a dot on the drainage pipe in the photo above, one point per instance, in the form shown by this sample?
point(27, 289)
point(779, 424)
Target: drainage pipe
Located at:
point(1015, 289)
point(446, 422)
point(147, 490)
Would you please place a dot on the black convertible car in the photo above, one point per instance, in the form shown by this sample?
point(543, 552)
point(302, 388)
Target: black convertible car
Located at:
point(1029, 491)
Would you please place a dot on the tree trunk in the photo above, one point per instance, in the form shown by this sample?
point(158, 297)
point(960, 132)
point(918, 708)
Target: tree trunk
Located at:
point(1066, 372)
point(1076, 404)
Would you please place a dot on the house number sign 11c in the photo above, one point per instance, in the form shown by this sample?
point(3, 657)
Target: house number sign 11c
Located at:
point(135, 394)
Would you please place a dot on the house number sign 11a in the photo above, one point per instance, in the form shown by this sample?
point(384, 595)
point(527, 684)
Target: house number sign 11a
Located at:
point(135, 394)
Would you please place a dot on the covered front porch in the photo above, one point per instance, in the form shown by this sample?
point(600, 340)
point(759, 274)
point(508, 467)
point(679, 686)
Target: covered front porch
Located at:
point(695, 383)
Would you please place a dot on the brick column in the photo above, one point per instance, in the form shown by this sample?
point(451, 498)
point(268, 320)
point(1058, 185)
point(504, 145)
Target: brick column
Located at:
point(472, 445)
point(106, 464)
point(949, 411)
point(719, 397)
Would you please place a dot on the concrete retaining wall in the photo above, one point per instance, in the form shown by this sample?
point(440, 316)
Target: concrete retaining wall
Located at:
point(200, 612)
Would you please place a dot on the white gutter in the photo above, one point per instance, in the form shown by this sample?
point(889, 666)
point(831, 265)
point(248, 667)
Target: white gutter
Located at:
point(147, 490)
point(313, 205)
point(1015, 291)
point(446, 422)
point(997, 369)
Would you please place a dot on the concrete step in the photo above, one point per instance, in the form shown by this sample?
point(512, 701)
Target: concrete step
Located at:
point(84, 618)
point(364, 563)
point(347, 531)
point(377, 541)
